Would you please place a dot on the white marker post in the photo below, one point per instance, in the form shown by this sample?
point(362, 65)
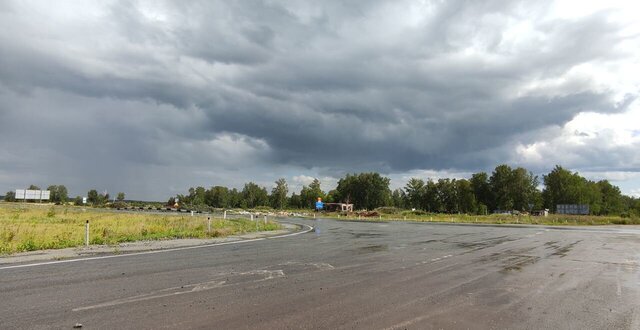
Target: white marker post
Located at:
point(86, 234)
point(208, 224)
point(225, 215)
point(265, 219)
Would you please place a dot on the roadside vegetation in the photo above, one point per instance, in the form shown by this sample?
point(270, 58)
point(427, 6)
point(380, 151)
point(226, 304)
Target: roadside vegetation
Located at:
point(38, 227)
point(483, 196)
point(393, 214)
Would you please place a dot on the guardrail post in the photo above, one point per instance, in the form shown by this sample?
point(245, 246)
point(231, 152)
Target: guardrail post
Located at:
point(86, 234)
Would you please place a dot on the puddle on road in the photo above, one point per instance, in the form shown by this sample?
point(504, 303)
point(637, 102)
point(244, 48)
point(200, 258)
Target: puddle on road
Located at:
point(372, 248)
point(518, 262)
point(366, 235)
point(479, 245)
point(560, 251)
point(425, 242)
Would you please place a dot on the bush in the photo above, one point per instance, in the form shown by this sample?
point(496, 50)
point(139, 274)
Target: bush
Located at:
point(10, 196)
point(416, 212)
point(388, 210)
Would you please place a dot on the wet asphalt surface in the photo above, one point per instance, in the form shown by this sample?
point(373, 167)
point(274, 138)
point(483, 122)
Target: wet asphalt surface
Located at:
point(351, 275)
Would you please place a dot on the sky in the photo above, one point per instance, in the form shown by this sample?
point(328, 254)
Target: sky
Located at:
point(153, 97)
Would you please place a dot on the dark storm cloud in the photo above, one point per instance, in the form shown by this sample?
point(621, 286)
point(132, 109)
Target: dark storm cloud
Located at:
point(332, 87)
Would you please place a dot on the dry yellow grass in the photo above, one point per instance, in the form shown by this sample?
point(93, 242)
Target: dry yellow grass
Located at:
point(37, 227)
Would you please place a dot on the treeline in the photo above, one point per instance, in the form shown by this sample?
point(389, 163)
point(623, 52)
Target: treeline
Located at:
point(505, 189)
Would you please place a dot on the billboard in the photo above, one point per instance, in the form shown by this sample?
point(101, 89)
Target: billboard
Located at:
point(33, 194)
point(580, 209)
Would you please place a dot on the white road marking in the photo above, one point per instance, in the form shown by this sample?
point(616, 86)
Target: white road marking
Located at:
point(155, 251)
point(189, 288)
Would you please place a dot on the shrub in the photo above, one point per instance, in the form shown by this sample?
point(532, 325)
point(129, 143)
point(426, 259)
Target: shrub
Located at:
point(388, 210)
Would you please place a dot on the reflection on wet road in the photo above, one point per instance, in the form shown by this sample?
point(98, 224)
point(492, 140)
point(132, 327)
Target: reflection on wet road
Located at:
point(350, 275)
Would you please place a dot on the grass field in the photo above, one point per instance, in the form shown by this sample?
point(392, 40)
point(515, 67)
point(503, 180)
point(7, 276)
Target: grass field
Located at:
point(37, 227)
point(552, 219)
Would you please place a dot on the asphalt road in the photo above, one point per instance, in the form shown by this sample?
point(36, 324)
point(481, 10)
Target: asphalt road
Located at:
point(347, 275)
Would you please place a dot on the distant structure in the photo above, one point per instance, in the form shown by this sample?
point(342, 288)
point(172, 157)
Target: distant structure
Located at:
point(540, 213)
point(26, 194)
point(576, 209)
point(341, 207)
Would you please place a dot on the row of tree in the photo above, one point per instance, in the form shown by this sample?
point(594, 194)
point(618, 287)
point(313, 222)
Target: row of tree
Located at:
point(505, 188)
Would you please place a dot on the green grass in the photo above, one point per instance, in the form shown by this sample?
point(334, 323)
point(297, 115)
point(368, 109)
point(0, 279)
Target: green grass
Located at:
point(552, 219)
point(38, 227)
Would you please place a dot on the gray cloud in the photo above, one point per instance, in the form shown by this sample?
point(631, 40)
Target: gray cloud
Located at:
point(154, 97)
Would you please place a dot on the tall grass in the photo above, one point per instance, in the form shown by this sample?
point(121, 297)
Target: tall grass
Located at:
point(28, 228)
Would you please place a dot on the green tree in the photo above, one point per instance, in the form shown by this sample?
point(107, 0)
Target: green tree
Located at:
point(399, 198)
point(120, 197)
point(309, 195)
point(466, 197)
point(563, 187)
point(235, 198)
point(611, 198)
point(92, 197)
point(500, 183)
point(447, 196)
point(414, 190)
point(218, 196)
point(10, 196)
point(279, 194)
point(365, 190)
point(295, 201)
point(254, 195)
point(557, 187)
point(482, 189)
point(58, 194)
point(196, 196)
point(331, 196)
point(78, 201)
point(431, 200)
point(523, 189)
